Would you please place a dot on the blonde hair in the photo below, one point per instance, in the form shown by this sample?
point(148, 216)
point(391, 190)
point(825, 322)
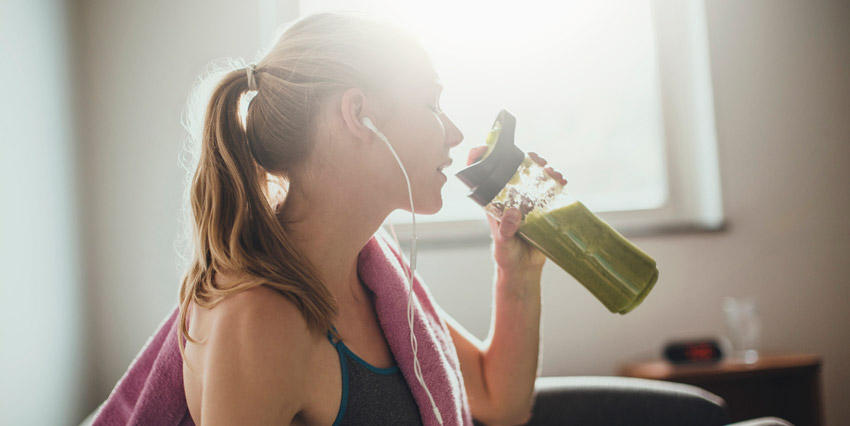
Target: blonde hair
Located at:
point(243, 169)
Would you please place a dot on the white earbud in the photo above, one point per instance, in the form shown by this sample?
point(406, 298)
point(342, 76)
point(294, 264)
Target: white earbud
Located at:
point(369, 125)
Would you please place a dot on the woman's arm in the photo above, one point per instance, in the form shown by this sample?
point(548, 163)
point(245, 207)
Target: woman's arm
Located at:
point(499, 373)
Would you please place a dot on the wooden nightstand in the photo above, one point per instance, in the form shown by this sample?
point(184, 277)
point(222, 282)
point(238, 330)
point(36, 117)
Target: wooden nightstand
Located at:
point(786, 386)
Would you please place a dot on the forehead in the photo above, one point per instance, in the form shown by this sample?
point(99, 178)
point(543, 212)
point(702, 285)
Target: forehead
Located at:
point(430, 85)
point(424, 81)
point(417, 63)
point(435, 81)
point(409, 68)
point(431, 78)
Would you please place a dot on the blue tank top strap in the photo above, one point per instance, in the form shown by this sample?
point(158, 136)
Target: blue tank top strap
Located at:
point(331, 336)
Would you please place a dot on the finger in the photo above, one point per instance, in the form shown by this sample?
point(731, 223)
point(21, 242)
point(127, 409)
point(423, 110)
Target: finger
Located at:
point(537, 159)
point(475, 154)
point(549, 170)
point(560, 178)
point(554, 173)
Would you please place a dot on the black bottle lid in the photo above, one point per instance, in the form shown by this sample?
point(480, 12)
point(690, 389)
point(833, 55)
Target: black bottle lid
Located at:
point(489, 175)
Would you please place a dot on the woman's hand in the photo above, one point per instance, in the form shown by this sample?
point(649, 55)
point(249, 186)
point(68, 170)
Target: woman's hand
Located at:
point(510, 252)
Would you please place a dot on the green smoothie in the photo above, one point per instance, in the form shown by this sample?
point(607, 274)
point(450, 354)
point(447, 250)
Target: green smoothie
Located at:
point(618, 273)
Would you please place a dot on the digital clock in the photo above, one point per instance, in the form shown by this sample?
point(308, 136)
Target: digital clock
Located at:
point(693, 351)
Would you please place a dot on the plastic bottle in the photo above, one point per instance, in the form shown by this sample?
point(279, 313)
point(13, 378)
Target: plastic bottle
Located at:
point(613, 269)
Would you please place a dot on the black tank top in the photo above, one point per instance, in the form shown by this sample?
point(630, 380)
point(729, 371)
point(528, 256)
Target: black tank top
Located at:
point(372, 395)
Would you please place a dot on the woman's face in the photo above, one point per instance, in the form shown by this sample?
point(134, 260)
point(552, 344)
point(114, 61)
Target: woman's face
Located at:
point(422, 135)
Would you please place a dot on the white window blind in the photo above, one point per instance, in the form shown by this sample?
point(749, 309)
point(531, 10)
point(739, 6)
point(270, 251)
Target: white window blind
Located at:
point(615, 94)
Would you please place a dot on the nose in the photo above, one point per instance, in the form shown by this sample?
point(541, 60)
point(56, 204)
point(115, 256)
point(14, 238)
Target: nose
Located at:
point(453, 135)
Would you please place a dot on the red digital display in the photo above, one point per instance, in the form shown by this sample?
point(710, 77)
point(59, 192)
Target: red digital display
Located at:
point(699, 352)
point(693, 351)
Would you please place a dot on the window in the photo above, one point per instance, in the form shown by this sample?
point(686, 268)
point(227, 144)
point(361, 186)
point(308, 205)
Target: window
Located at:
point(615, 94)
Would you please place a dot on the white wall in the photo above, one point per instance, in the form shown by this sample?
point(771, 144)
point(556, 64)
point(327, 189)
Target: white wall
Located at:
point(782, 106)
point(137, 63)
point(41, 341)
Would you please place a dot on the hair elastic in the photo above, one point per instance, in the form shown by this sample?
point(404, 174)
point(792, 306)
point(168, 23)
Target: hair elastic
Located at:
point(252, 82)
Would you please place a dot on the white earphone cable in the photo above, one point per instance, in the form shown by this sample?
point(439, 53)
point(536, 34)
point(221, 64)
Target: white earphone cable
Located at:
point(414, 345)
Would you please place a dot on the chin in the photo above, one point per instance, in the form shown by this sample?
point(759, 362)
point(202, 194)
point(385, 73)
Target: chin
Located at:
point(430, 208)
point(430, 211)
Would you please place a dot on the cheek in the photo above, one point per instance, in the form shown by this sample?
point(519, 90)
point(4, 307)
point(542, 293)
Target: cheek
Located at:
point(419, 155)
point(425, 137)
point(431, 138)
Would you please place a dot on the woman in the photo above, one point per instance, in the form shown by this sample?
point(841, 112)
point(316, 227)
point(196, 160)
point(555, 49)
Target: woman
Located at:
point(284, 205)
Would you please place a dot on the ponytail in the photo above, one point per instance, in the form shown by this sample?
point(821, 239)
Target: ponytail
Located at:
point(235, 226)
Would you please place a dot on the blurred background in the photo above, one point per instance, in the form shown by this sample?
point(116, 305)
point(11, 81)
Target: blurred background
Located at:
point(716, 135)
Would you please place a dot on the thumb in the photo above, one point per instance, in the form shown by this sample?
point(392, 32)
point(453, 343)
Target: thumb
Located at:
point(475, 154)
point(510, 223)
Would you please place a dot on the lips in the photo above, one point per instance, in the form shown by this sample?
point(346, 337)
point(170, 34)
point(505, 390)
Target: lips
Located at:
point(444, 165)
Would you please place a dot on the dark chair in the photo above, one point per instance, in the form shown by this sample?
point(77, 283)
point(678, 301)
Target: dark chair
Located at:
point(612, 401)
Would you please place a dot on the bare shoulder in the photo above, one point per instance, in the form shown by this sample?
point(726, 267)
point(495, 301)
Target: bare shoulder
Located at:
point(259, 344)
point(265, 309)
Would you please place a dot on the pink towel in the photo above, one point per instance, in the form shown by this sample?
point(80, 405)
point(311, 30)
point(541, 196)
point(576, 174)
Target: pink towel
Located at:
point(151, 390)
point(381, 269)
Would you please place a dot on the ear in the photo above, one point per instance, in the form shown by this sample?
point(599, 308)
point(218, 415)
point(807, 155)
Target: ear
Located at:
point(353, 105)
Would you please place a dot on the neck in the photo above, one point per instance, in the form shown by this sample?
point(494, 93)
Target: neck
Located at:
point(331, 232)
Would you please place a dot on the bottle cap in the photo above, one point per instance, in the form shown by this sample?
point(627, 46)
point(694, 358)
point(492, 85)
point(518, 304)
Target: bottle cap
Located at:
point(489, 175)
